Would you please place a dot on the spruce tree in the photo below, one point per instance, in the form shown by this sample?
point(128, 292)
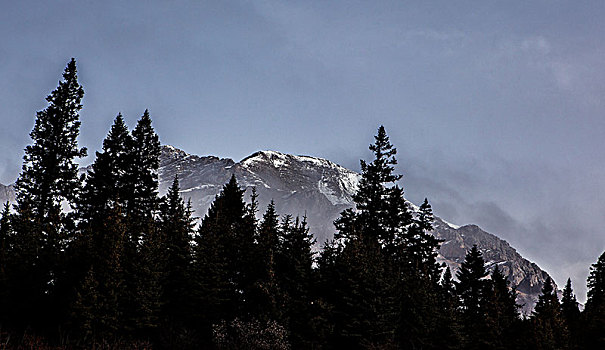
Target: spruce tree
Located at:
point(449, 325)
point(501, 311)
point(144, 173)
point(222, 258)
point(549, 328)
point(265, 300)
point(295, 276)
point(50, 174)
point(472, 290)
point(594, 313)
point(176, 223)
point(48, 178)
point(373, 239)
point(107, 183)
point(571, 313)
point(5, 237)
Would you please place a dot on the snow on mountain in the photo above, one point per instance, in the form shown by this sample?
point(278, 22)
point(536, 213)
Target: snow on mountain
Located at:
point(320, 189)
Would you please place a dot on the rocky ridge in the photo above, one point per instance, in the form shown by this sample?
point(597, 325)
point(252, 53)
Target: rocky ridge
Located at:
point(320, 189)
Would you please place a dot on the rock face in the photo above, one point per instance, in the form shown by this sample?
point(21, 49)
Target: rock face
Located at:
point(7, 194)
point(320, 189)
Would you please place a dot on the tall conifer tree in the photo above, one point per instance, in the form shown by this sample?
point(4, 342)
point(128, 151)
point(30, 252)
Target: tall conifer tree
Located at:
point(549, 328)
point(472, 290)
point(48, 178)
point(176, 223)
point(594, 313)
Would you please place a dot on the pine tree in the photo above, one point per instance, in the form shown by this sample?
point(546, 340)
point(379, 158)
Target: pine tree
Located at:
point(177, 226)
point(98, 307)
point(502, 311)
point(571, 313)
point(5, 242)
point(265, 300)
point(594, 313)
point(107, 183)
point(104, 198)
point(472, 289)
point(49, 173)
point(549, 328)
point(48, 178)
point(420, 313)
point(144, 174)
point(422, 246)
point(374, 238)
point(295, 276)
point(222, 258)
point(377, 216)
point(449, 327)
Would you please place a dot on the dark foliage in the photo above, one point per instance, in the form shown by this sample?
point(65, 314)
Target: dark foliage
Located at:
point(127, 269)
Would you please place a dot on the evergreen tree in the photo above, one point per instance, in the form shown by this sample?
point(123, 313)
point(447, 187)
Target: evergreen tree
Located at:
point(422, 246)
point(144, 174)
point(594, 313)
point(104, 199)
point(374, 238)
point(107, 183)
point(502, 311)
point(49, 173)
point(177, 227)
point(48, 178)
point(295, 275)
point(265, 300)
point(5, 237)
point(421, 319)
point(549, 328)
point(381, 210)
point(449, 327)
point(571, 313)
point(472, 290)
point(98, 309)
point(222, 256)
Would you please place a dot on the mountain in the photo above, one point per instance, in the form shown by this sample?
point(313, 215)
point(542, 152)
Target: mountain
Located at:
point(320, 189)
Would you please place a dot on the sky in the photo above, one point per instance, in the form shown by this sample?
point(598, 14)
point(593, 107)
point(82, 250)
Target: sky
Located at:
point(496, 107)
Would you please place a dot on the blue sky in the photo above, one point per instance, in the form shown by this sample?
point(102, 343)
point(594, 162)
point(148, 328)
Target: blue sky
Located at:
point(496, 107)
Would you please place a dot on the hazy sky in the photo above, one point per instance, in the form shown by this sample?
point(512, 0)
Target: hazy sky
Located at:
point(496, 107)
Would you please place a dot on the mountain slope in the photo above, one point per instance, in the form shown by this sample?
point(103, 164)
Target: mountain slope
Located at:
point(320, 189)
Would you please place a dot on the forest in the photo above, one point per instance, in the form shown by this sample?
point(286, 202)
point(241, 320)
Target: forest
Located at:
point(102, 261)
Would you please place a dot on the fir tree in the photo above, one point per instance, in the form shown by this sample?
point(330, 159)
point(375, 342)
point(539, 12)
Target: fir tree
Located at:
point(373, 238)
point(107, 183)
point(472, 290)
point(48, 178)
point(5, 237)
point(222, 258)
point(549, 328)
point(143, 174)
point(49, 173)
point(449, 327)
point(177, 226)
point(295, 275)
point(265, 301)
point(571, 313)
point(501, 311)
point(594, 313)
